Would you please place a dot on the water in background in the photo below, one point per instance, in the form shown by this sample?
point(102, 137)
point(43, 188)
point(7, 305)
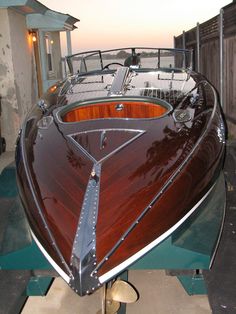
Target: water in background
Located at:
point(94, 64)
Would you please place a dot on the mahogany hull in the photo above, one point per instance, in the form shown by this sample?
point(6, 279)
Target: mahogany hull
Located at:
point(100, 189)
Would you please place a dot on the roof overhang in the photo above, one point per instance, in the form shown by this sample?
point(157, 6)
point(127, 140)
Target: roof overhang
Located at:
point(51, 20)
point(38, 16)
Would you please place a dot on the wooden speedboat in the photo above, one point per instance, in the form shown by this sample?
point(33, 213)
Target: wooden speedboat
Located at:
point(115, 158)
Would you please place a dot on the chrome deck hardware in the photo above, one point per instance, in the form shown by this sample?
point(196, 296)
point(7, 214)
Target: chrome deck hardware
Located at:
point(119, 107)
point(42, 105)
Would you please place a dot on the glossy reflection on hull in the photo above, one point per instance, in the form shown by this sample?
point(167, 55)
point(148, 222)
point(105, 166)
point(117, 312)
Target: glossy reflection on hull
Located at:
point(118, 160)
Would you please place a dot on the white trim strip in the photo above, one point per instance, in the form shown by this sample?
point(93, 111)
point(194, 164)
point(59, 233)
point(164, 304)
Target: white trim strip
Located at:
point(116, 270)
point(51, 261)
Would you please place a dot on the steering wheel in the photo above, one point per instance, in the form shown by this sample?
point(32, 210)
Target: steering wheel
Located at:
point(112, 63)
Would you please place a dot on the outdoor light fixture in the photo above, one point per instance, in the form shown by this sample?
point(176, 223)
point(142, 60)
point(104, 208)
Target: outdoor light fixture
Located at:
point(34, 36)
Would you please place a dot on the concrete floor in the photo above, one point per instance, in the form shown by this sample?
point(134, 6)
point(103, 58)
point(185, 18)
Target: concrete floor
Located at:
point(159, 294)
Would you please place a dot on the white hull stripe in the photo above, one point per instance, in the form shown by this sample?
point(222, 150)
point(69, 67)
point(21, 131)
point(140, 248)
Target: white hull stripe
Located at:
point(116, 270)
point(51, 261)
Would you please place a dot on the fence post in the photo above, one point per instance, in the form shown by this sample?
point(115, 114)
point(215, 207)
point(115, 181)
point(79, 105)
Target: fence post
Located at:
point(184, 47)
point(221, 35)
point(183, 40)
point(198, 47)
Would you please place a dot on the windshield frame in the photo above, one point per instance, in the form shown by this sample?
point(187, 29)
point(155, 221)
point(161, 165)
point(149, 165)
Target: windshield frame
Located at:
point(84, 56)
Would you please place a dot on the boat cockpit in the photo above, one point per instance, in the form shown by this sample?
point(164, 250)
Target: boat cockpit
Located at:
point(128, 108)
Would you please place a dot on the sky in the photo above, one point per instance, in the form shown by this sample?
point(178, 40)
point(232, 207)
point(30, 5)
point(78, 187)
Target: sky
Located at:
point(107, 24)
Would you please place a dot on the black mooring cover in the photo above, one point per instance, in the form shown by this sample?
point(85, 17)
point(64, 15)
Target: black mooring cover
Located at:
point(221, 279)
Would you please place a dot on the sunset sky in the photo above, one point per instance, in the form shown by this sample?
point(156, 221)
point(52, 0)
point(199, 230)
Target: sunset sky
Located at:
point(108, 24)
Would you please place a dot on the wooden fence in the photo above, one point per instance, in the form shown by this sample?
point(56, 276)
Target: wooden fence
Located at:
point(214, 45)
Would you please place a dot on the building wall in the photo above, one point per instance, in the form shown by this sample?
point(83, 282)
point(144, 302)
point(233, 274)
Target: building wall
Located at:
point(23, 63)
point(9, 118)
point(17, 74)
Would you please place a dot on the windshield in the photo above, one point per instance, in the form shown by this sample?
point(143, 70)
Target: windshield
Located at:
point(136, 58)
